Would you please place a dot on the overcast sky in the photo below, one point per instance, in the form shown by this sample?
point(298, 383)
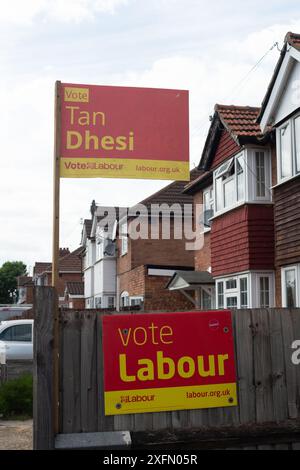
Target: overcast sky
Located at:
point(205, 47)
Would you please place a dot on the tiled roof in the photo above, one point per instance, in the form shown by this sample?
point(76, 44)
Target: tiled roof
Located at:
point(70, 263)
point(173, 193)
point(40, 267)
point(293, 40)
point(239, 120)
point(24, 281)
point(75, 288)
point(88, 226)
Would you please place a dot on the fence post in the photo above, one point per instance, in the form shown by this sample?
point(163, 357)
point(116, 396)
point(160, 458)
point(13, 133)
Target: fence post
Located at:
point(44, 304)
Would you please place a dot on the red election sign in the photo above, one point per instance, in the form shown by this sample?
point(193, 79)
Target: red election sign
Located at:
point(168, 361)
point(124, 132)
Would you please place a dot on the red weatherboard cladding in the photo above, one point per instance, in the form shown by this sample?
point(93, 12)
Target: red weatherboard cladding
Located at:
point(194, 334)
point(225, 149)
point(157, 117)
point(243, 239)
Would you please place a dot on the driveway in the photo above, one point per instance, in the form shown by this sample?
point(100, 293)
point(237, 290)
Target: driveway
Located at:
point(16, 435)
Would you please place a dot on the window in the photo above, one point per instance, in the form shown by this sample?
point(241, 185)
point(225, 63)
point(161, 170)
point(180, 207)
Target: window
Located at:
point(297, 142)
point(231, 284)
point(229, 181)
point(285, 151)
point(124, 238)
point(231, 302)
point(208, 207)
point(124, 299)
point(260, 174)
point(220, 293)
point(243, 292)
point(264, 292)
point(290, 287)
point(98, 302)
point(111, 302)
point(136, 301)
point(288, 139)
point(240, 163)
point(17, 333)
point(233, 292)
point(99, 248)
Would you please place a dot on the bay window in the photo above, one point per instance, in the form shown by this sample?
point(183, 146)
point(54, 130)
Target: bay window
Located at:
point(245, 177)
point(246, 290)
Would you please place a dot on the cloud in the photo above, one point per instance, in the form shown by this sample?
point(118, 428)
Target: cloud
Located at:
point(135, 52)
point(26, 11)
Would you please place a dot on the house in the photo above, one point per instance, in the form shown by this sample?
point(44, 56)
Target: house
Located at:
point(70, 270)
point(99, 259)
point(234, 188)
point(74, 295)
point(146, 265)
point(281, 111)
point(25, 290)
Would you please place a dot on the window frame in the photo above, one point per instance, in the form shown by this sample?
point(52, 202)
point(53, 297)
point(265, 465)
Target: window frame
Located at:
point(296, 268)
point(219, 173)
point(11, 327)
point(295, 171)
point(211, 203)
point(124, 238)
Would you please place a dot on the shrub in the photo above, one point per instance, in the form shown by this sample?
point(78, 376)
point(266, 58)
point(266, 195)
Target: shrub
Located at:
point(16, 397)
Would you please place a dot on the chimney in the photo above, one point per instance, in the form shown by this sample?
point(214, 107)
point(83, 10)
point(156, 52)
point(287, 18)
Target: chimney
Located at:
point(93, 207)
point(63, 252)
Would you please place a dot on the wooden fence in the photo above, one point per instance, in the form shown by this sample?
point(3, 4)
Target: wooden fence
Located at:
point(268, 411)
point(14, 369)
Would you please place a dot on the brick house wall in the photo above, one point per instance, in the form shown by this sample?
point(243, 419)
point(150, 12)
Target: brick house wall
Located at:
point(158, 252)
point(137, 282)
point(158, 298)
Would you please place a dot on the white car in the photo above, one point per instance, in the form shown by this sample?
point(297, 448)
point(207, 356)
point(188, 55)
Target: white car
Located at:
point(17, 338)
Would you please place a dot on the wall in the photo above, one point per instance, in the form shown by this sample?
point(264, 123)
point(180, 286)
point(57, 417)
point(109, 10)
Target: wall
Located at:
point(243, 239)
point(158, 298)
point(225, 149)
point(159, 252)
point(287, 222)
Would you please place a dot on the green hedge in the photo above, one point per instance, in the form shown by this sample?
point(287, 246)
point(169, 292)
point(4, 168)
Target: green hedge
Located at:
point(16, 397)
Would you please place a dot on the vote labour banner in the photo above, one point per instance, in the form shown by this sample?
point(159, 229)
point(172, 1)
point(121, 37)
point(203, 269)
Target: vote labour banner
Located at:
point(123, 132)
point(169, 361)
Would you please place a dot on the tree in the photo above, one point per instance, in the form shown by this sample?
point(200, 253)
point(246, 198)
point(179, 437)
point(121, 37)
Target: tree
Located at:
point(9, 272)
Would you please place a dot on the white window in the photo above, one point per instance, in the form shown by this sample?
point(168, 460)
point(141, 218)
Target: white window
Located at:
point(243, 292)
point(248, 290)
point(232, 292)
point(124, 299)
point(288, 149)
point(290, 286)
point(260, 167)
point(220, 294)
point(124, 238)
point(208, 207)
point(99, 248)
point(264, 292)
point(98, 302)
point(111, 302)
point(136, 301)
point(297, 142)
point(229, 183)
